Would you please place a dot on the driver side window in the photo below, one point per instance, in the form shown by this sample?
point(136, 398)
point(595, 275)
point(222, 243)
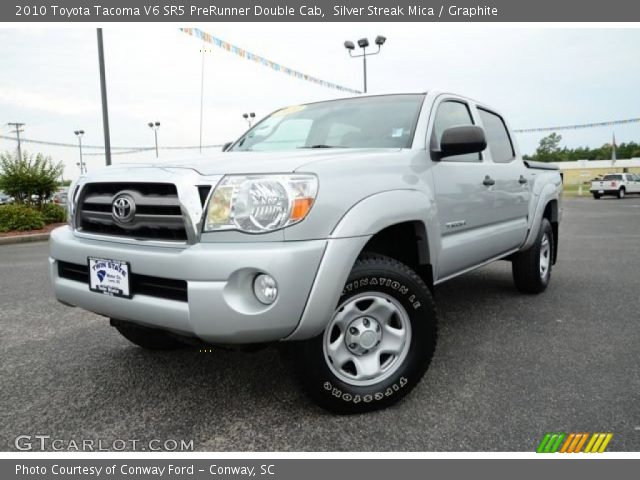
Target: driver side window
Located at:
point(452, 113)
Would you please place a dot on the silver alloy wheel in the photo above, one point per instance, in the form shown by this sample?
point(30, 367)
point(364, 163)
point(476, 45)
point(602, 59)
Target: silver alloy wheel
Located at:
point(545, 256)
point(367, 339)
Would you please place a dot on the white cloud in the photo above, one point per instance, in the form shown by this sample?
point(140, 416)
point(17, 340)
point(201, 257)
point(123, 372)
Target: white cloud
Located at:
point(535, 76)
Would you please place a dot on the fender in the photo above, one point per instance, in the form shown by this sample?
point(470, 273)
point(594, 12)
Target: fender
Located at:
point(346, 241)
point(548, 193)
point(382, 210)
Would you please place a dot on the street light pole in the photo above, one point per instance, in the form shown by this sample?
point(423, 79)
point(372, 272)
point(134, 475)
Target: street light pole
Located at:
point(363, 43)
point(155, 126)
point(249, 117)
point(364, 65)
point(83, 167)
point(103, 92)
point(18, 128)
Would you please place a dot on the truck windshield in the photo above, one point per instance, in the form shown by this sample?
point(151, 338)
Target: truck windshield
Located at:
point(386, 121)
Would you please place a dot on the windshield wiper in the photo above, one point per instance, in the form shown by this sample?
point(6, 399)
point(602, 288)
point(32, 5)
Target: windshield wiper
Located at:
point(321, 145)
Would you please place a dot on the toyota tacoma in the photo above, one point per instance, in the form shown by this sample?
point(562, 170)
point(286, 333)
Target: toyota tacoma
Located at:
point(324, 229)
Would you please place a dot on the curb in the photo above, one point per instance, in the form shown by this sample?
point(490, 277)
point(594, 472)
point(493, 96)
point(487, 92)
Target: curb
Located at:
point(36, 237)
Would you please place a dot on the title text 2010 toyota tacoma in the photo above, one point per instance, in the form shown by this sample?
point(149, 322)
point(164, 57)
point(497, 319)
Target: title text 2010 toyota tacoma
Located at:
point(325, 226)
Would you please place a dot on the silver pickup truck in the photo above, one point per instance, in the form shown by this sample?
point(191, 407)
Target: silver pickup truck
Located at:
point(324, 228)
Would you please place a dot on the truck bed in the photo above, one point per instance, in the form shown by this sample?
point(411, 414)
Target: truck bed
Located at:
point(540, 165)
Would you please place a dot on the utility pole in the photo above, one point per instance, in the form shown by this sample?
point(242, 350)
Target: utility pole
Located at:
point(18, 128)
point(201, 96)
point(103, 91)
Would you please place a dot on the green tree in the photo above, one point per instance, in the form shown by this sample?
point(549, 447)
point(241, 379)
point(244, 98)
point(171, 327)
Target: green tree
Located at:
point(27, 176)
point(549, 149)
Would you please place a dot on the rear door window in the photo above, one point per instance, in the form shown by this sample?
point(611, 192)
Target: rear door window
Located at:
point(497, 135)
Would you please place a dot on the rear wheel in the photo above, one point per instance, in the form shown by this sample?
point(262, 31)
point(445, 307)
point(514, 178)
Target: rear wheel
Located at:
point(377, 345)
point(148, 338)
point(596, 196)
point(621, 193)
point(532, 268)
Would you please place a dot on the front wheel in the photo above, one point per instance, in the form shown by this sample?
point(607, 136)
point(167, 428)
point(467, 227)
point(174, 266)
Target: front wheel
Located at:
point(532, 268)
point(378, 343)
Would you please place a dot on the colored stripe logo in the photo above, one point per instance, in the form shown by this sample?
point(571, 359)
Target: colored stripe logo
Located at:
point(574, 442)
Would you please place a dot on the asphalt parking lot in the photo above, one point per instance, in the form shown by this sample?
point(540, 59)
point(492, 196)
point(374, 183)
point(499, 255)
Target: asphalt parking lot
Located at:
point(508, 367)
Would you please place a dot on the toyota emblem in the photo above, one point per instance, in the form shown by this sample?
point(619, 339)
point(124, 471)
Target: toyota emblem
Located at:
point(123, 208)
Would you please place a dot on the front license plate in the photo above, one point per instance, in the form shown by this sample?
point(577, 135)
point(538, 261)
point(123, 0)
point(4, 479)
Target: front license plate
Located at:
point(109, 276)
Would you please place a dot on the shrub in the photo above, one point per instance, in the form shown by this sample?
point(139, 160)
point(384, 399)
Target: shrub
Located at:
point(27, 176)
point(20, 217)
point(53, 213)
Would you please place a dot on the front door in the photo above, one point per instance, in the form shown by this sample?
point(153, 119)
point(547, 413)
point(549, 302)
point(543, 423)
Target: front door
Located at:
point(464, 195)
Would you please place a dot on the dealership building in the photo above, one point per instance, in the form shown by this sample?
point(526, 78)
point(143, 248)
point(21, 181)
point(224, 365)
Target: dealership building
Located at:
point(583, 171)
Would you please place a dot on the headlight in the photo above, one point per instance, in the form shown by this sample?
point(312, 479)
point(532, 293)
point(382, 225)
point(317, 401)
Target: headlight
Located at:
point(260, 203)
point(71, 197)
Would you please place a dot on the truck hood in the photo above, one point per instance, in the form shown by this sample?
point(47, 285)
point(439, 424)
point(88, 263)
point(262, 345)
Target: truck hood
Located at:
point(264, 162)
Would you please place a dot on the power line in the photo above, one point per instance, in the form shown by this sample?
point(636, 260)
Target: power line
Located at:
point(133, 149)
point(100, 147)
point(579, 126)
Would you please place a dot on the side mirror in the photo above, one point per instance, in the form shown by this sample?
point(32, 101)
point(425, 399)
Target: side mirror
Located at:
point(460, 140)
point(226, 146)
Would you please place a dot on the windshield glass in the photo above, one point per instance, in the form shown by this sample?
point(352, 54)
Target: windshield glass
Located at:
point(386, 121)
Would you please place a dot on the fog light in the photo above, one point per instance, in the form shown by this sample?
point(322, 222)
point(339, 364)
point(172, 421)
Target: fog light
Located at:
point(265, 288)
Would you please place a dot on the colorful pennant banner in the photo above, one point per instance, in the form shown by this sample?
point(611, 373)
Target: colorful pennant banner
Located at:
point(208, 38)
point(577, 127)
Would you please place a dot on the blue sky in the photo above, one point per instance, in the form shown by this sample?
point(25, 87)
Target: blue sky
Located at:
point(536, 76)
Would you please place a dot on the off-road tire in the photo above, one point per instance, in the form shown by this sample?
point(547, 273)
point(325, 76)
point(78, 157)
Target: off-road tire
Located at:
point(526, 267)
point(372, 274)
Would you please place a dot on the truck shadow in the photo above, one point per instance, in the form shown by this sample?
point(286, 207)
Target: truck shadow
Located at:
point(224, 399)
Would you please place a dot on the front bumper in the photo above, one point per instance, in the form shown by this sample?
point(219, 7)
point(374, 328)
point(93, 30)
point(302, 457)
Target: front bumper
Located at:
point(220, 306)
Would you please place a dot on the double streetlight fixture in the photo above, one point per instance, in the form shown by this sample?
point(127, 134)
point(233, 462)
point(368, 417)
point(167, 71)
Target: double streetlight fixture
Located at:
point(155, 126)
point(81, 164)
point(363, 43)
point(249, 117)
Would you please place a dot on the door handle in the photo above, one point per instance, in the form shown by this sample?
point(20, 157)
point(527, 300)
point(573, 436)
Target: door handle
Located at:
point(488, 181)
point(522, 180)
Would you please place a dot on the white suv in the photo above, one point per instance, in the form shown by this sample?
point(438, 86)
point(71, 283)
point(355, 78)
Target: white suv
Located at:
point(618, 184)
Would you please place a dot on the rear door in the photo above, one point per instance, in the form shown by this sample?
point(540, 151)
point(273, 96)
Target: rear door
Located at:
point(633, 183)
point(464, 202)
point(511, 190)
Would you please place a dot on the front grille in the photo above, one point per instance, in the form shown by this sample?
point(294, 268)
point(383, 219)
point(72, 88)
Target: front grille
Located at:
point(160, 287)
point(157, 211)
